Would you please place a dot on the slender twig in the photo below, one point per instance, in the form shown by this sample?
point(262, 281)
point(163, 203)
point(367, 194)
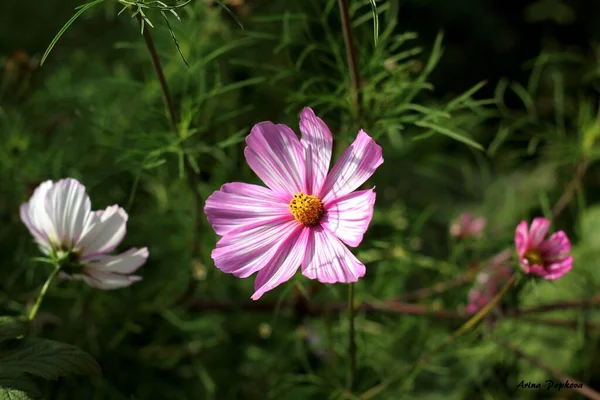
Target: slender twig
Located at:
point(160, 76)
point(386, 307)
point(561, 323)
point(189, 170)
point(571, 188)
point(563, 305)
point(351, 55)
point(440, 287)
point(583, 390)
point(40, 298)
point(352, 339)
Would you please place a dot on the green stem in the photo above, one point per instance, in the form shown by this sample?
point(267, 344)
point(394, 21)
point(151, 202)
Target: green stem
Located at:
point(40, 298)
point(351, 54)
point(352, 341)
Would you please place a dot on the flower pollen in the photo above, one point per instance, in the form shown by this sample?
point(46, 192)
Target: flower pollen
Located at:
point(534, 257)
point(306, 208)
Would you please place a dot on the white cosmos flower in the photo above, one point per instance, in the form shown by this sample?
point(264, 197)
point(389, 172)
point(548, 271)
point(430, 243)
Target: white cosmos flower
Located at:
point(60, 218)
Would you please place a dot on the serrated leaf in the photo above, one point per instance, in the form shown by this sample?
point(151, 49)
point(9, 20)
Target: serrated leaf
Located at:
point(13, 387)
point(14, 394)
point(45, 358)
point(12, 327)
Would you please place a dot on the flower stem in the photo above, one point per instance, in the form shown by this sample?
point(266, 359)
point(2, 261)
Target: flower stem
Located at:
point(189, 169)
point(40, 298)
point(352, 339)
point(160, 76)
point(351, 55)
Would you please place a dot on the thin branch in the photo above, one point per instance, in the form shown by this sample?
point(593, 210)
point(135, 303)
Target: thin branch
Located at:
point(586, 391)
point(159, 75)
point(189, 170)
point(564, 305)
point(440, 287)
point(561, 323)
point(571, 188)
point(351, 55)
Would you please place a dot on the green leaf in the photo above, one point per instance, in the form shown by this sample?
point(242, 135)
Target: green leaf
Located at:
point(375, 22)
point(12, 327)
point(18, 387)
point(81, 9)
point(45, 358)
point(7, 393)
point(237, 20)
point(450, 133)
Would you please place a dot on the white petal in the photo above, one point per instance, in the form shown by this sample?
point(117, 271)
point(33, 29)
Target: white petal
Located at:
point(124, 263)
point(68, 206)
point(36, 219)
point(105, 280)
point(104, 233)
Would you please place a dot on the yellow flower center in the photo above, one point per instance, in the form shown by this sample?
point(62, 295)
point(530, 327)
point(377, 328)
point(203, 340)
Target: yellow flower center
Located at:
point(306, 208)
point(534, 257)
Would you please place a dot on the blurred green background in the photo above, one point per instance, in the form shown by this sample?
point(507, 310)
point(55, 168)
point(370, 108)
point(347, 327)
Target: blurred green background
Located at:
point(505, 151)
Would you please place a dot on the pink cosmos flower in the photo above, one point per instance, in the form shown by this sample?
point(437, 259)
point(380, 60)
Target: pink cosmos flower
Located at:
point(59, 217)
point(466, 226)
point(304, 215)
point(489, 282)
point(548, 259)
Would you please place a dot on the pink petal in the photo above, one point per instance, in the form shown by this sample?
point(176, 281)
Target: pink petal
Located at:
point(522, 238)
point(104, 233)
point(477, 226)
point(556, 245)
point(248, 249)
point(105, 280)
point(354, 167)
point(537, 232)
point(318, 140)
point(238, 204)
point(124, 263)
point(284, 264)
point(36, 219)
point(557, 269)
point(69, 208)
point(348, 217)
point(328, 260)
point(274, 153)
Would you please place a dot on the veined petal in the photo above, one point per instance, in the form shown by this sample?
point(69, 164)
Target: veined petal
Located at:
point(69, 208)
point(558, 268)
point(274, 153)
point(248, 249)
point(104, 280)
point(556, 245)
point(238, 204)
point(124, 263)
point(36, 219)
point(348, 217)
point(354, 167)
point(317, 138)
point(284, 264)
point(104, 233)
point(522, 238)
point(328, 260)
point(537, 232)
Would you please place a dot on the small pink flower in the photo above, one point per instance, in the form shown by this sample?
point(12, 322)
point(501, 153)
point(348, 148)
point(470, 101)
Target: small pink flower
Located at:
point(304, 215)
point(466, 226)
point(59, 217)
point(488, 282)
point(548, 259)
